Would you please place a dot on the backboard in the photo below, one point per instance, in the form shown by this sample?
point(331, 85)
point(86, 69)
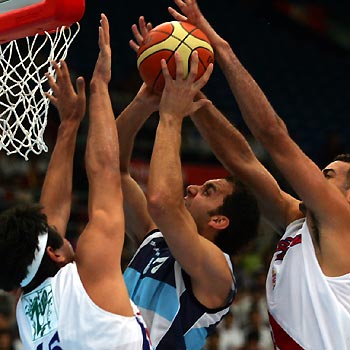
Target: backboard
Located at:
point(22, 18)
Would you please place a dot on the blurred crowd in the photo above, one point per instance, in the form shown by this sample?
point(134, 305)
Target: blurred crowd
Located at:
point(244, 328)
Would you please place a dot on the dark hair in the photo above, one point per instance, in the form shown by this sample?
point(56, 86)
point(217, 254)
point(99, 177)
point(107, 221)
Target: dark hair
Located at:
point(241, 208)
point(344, 157)
point(20, 227)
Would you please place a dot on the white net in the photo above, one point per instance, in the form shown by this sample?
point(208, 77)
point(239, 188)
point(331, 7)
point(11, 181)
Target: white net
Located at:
point(23, 105)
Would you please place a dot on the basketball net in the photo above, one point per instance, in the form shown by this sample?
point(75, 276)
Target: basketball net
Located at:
point(23, 104)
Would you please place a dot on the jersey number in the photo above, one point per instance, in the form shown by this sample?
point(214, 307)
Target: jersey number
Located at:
point(54, 343)
point(158, 263)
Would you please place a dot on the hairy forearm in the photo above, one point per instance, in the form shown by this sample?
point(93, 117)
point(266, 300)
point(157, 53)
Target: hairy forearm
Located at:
point(102, 149)
point(57, 188)
point(257, 112)
point(227, 143)
point(165, 167)
point(129, 122)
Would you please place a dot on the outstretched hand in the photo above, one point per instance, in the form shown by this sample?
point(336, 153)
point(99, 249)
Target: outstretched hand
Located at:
point(71, 105)
point(190, 12)
point(102, 69)
point(139, 33)
point(179, 93)
point(145, 95)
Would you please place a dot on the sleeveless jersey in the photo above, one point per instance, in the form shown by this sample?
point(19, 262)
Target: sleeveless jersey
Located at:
point(307, 309)
point(162, 291)
point(59, 315)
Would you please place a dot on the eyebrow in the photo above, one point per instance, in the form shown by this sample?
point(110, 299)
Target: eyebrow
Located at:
point(327, 171)
point(209, 186)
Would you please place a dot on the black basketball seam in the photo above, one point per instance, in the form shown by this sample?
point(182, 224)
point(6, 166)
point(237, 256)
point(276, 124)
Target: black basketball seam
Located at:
point(189, 63)
point(181, 41)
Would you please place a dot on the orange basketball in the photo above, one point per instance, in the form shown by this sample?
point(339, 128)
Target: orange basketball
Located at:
point(162, 42)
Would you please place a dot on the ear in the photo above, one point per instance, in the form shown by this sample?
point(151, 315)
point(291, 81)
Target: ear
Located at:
point(219, 222)
point(55, 255)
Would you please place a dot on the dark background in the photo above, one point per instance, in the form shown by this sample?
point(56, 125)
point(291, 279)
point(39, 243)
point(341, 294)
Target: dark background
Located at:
point(298, 51)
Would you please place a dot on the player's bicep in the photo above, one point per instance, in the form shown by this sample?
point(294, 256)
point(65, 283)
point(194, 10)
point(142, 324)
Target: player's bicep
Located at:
point(100, 245)
point(138, 222)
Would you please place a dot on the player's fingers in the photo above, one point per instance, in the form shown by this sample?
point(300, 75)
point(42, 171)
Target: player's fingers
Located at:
point(64, 71)
point(100, 38)
point(180, 4)
point(137, 35)
point(133, 45)
point(205, 77)
point(194, 66)
point(57, 68)
point(149, 26)
point(52, 83)
point(105, 26)
point(178, 16)
point(179, 66)
point(52, 98)
point(143, 27)
point(203, 102)
point(165, 70)
point(80, 84)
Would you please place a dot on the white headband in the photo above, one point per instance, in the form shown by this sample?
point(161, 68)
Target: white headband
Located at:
point(38, 256)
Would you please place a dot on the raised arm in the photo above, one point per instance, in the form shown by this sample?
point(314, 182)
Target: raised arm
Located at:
point(201, 259)
point(234, 152)
point(100, 245)
point(329, 206)
point(138, 222)
point(276, 206)
point(57, 188)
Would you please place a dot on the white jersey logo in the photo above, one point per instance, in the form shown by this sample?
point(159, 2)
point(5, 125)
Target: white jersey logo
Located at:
point(40, 311)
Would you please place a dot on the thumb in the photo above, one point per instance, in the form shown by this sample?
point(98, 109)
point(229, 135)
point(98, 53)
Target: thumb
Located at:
point(80, 85)
point(203, 102)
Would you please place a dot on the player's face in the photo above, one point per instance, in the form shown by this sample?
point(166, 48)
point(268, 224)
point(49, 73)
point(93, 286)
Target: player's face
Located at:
point(67, 251)
point(338, 173)
point(64, 254)
point(200, 200)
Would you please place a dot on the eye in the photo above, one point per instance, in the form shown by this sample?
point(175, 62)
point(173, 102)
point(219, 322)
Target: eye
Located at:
point(206, 191)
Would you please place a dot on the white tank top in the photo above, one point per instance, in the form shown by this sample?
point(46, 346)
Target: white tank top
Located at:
point(59, 315)
point(308, 310)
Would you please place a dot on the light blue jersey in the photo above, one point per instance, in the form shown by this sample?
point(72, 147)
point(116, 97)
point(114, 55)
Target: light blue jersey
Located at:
point(162, 291)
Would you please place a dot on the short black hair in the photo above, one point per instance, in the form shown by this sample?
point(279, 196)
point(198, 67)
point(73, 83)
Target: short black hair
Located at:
point(344, 157)
point(20, 228)
point(241, 208)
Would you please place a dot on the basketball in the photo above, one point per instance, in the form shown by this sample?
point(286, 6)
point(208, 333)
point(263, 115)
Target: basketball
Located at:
point(162, 42)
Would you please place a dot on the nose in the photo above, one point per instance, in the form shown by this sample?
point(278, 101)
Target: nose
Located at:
point(191, 190)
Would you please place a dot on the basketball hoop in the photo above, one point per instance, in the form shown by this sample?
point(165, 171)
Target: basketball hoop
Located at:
point(24, 60)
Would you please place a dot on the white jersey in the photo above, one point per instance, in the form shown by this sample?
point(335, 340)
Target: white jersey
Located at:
point(59, 315)
point(307, 309)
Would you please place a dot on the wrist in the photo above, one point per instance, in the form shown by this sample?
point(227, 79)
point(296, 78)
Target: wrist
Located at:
point(69, 125)
point(143, 104)
point(97, 84)
point(171, 117)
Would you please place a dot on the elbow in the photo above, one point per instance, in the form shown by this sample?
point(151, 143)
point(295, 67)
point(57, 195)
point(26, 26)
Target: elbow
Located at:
point(102, 160)
point(271, 133)
point(159, 205)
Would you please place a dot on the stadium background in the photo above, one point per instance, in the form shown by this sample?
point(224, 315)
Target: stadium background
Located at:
point(298, 52)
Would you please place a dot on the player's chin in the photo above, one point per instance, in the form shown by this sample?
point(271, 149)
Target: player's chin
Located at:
point(187, 205)
point(302, 207)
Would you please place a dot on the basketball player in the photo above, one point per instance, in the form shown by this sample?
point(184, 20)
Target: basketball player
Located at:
point(308, 284)
point(180, 278)
point(82, 304)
